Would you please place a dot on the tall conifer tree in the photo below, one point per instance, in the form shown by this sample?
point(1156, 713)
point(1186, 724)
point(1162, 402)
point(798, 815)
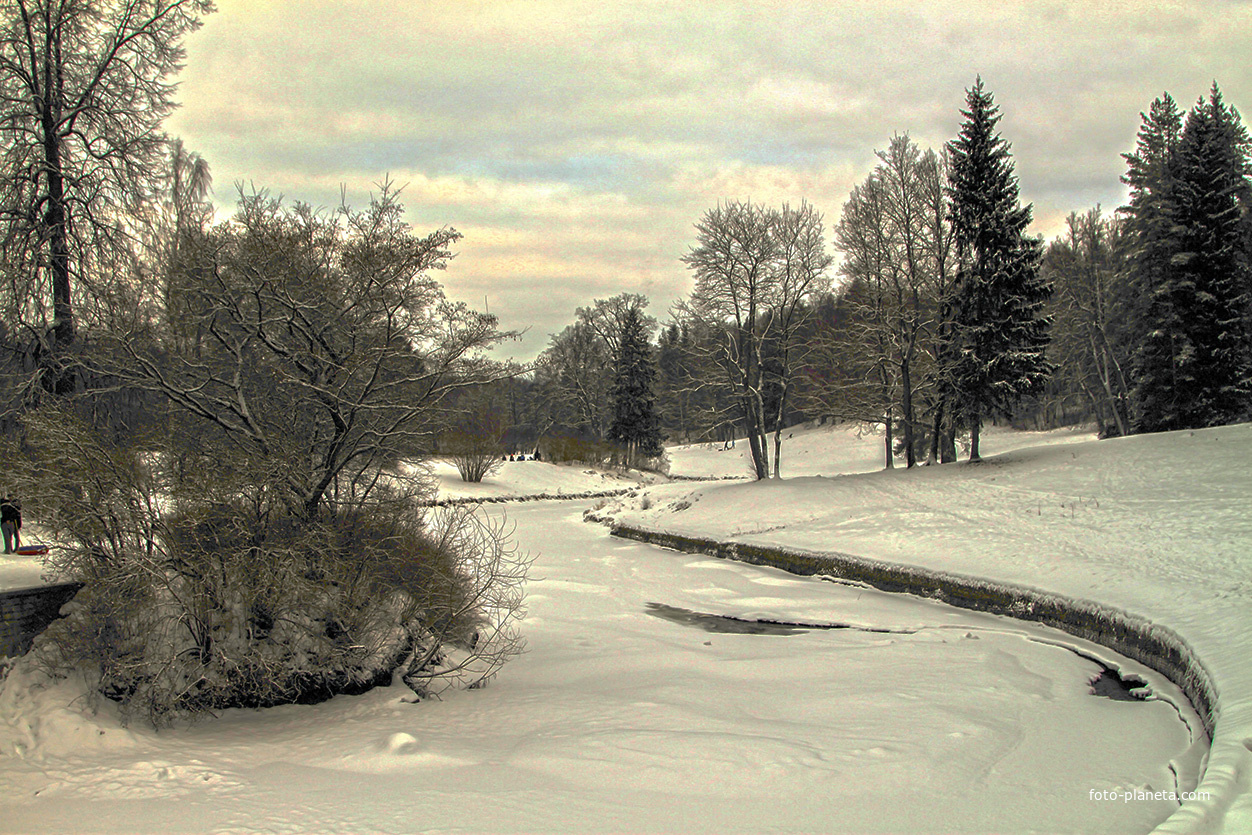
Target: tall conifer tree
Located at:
point(999, 330)
point(1189, 213)
point(635, 422)
point(1150, 217)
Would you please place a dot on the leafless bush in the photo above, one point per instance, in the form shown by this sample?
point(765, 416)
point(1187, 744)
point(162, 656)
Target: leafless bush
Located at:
point(220, 597)
point(475, 458)
point(477, 631)
point(476, 441)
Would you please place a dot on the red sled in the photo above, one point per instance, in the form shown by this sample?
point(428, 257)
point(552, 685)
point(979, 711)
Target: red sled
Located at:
point(31, 550)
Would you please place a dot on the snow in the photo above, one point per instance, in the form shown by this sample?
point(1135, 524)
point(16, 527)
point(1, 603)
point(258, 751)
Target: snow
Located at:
point(1156, 526)
point(23, 572)
point(619, 719)
point(836, 450)
point(531, 478)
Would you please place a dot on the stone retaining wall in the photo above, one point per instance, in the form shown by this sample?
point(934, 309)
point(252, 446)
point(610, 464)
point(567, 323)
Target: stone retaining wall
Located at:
point(24, 613)
point(537, 497)
point(1150, 644)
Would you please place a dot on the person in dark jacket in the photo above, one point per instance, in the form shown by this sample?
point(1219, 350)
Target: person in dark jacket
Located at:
point(11, 521)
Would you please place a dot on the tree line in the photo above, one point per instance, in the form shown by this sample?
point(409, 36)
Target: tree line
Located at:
point(943, 311)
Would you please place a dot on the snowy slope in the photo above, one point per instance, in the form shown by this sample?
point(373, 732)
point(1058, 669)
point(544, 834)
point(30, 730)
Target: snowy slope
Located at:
point(593, 729)
point(1158, 526)
point(837, 450)
point(21, 572)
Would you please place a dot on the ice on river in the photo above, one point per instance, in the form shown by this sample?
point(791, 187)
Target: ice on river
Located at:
point(619, 720)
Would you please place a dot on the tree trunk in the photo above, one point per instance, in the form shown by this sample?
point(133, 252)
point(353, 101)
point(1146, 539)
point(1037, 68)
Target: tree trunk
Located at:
point(1104, 371)
point(758, 404)
point(932, 454)
point(974, 429)
point(759, 465)
point(890, 442)
point(778, 427)
point(58, 379)
point(906, 404)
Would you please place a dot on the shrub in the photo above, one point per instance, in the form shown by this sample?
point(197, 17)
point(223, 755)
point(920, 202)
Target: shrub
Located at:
point(223, 597)
point(476, 442)
point(258, 545)
point(477, 455)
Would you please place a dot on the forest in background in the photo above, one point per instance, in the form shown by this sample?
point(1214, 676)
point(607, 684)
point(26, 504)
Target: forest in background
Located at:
point(941, 312)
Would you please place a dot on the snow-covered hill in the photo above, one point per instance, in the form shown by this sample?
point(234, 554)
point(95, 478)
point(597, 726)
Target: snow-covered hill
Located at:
point(1159, 526)
point(837, 450)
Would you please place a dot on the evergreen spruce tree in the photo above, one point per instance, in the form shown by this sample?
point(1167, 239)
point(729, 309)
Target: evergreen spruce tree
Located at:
point(999, 330)
point(1190, 217)
point(1150, 220)
point(636, 425)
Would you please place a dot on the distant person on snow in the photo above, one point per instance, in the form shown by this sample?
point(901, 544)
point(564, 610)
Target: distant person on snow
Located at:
point(11, 521)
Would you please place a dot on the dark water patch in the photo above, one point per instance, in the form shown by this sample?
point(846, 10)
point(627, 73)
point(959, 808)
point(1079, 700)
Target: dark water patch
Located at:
point(729, 624)
point(1112, 685)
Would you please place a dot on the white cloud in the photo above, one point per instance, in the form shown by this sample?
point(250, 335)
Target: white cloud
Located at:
point(575, 143)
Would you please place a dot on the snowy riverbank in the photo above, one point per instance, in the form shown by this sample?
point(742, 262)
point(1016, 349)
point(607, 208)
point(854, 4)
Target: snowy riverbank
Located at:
point(1154, 526)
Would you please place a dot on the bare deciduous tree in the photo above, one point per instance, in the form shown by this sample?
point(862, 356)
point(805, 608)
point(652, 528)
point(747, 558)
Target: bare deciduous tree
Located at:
point(575, 373)
point(84, 88)
point(608, 318)
point(864, 235)
point(897, 247)
point(1091, 313)
point(802, 262)
point(755, 269)
point(733, 265)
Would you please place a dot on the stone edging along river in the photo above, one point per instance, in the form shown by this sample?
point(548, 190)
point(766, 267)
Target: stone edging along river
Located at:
point(1152, 645)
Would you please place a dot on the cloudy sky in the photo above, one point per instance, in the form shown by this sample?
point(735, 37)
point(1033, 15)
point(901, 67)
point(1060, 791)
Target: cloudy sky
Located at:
point(575, 144)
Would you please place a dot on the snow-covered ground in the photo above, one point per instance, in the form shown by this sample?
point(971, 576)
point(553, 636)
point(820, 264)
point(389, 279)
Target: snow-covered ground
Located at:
point(532, 478)
point(1158, 526)
point(20, 572)
point(837, 450)
point(628, 715)
point(625, 715)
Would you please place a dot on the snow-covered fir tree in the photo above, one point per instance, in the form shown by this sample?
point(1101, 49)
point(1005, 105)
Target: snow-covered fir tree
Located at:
point(999, 330)
point(1189, 215)
point(1149, 217)
point(636, 425)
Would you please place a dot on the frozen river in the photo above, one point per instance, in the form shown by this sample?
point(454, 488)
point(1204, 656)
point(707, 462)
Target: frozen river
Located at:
point(650, 699)
point(939, 718)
